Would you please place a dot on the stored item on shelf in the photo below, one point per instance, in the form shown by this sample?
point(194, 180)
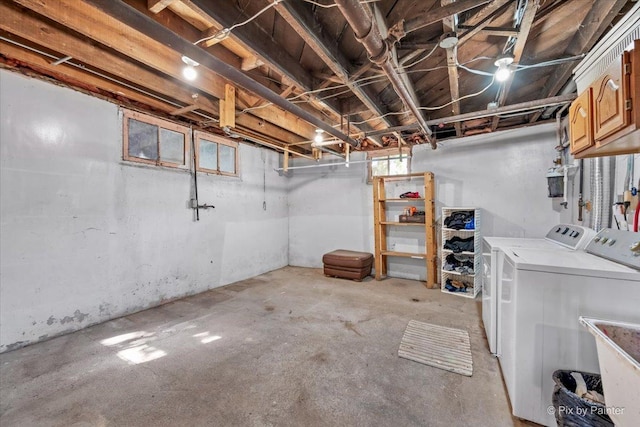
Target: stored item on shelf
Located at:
point(453, 285)
point(409, 210)
point(460, 220)
point(420, 219)
point(462, 264)
point(458, 244)
point(410, 195)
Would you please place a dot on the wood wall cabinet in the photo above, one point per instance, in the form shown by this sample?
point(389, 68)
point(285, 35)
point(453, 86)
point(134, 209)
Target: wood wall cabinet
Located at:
point(580, 123)
point(610, 92)
point(382, 202)
point(612, 105)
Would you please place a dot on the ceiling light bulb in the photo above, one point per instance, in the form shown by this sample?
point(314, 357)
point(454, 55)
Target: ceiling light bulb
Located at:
point(189, 73)
point(503, 73)
point(503, 62)
point(318, 138)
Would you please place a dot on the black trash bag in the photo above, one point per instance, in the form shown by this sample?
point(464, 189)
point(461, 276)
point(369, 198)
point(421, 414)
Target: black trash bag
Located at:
point(574, 411)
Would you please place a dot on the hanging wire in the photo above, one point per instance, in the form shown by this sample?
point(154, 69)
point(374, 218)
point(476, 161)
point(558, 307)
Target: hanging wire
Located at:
point(226, 31)
point(421, 59)
point(459, 99)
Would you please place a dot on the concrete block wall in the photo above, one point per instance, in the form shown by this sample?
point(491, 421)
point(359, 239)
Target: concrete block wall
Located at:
point(87, 237)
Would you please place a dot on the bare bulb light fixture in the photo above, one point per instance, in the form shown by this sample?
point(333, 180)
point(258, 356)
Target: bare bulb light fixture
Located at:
point(318, 138)
point(189, 71)
point(504, 71)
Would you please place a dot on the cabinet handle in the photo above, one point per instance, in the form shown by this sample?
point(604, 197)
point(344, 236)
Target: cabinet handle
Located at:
point(612, 85)
point(582, 112)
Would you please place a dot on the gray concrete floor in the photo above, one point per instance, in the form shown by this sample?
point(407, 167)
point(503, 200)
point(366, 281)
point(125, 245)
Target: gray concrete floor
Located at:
point(290, 347)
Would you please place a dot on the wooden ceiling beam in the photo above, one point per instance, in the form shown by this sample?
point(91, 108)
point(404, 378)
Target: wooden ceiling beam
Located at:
point(101, 27)
point(449, 26)
point(37, 30)
point(596, 22)
point(483, 18)
point(524, 29)
point(72, 76)
point(439, 13)
point(493, 31)
point(302, 20)
point(156, 6)
point(259, 42)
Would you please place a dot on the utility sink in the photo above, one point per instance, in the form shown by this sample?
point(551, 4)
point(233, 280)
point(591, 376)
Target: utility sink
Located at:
point(618, 347)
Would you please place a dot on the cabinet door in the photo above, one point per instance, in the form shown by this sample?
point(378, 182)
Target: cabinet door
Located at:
point(580, 124)
point(609, 94)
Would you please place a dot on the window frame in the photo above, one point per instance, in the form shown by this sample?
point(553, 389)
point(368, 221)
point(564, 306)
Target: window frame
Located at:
point(199, 135)
point(388, 152)
point(161, 124)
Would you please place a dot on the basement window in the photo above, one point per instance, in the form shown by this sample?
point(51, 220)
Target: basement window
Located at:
point(215, 154)
point(392, 161)
point(154, 141)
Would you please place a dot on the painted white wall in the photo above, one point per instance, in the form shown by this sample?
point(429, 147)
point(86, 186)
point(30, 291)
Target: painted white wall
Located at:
point(86, 237)
point(503, 173)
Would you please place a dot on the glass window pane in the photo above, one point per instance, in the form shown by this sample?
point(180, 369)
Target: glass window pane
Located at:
point(171, 146)
point(380, 166)
point(143, 140)
point(227, 159)
point(398, 166)
point(208, 155)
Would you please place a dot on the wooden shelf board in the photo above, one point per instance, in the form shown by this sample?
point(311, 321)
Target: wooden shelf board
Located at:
point(402, 224)
point(404, 254)
point(402, 200)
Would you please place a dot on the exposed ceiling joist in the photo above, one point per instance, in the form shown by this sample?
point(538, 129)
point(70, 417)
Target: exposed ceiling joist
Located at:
point(125, 15)
point(524, 28)
point(523, 106)
point(591, 28)
point(449, 26)
point(493, 31)
point(301, 19)
point(483, 18)
point(254, 38)
point(438, 14)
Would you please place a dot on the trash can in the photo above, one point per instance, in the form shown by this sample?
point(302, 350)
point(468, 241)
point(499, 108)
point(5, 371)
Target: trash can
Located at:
point(573, 411)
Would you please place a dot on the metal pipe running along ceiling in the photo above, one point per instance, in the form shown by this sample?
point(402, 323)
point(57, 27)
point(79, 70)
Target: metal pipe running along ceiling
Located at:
point(368, 34)
point(144, 24)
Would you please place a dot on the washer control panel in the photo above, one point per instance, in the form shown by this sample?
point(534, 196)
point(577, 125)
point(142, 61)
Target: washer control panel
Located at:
point(570, 236)
point(617, 245)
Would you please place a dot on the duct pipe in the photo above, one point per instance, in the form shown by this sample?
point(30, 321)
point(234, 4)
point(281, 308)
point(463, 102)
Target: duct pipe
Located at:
point(131, 17)
point(368, 34)
point(600, 182)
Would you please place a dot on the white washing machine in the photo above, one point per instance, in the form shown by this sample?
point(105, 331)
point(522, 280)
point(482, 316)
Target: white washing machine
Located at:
point(560, 237)
point(542, 295)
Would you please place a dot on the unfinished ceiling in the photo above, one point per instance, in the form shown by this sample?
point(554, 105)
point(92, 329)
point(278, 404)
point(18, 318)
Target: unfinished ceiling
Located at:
point(368, 73)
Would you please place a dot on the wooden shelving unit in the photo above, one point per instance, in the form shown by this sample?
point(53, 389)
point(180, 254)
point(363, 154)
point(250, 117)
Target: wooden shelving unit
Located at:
point(428, 253)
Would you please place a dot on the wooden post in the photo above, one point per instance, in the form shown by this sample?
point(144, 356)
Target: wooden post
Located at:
point(228, 107)
point(430, 229)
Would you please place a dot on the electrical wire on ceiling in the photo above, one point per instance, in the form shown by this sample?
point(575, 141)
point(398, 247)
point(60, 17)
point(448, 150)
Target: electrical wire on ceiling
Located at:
point(471, 95)
point(222, 34)
point(417, 61)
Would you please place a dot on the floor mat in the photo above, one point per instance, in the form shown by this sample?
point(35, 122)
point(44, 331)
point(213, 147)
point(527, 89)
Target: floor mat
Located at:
point(438, 346)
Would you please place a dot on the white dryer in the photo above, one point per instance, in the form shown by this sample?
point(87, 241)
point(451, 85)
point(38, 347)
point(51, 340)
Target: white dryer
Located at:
point(542, 295)
point(560, 237)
